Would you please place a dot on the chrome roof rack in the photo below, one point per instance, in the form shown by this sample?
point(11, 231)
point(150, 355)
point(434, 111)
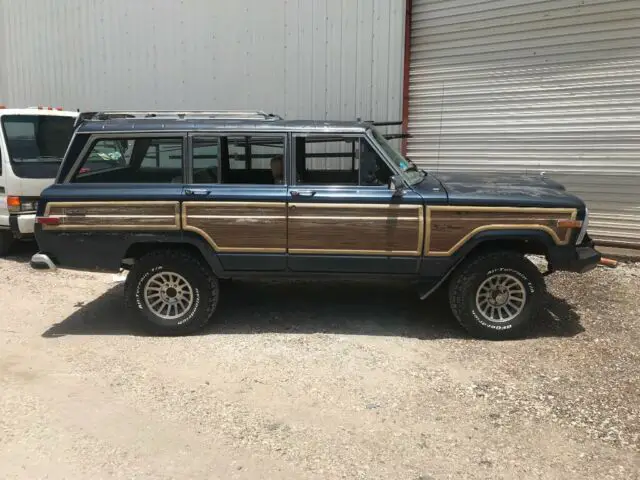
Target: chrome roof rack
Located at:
point(178, 115)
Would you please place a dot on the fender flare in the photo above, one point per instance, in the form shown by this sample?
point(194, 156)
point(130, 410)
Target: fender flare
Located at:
point(182, 238)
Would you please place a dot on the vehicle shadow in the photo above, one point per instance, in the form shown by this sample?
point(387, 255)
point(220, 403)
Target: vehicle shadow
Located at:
point(367, 308)
point(21, 251)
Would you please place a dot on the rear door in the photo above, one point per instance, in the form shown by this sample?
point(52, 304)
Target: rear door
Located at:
point(233, 202)
point(343, 217)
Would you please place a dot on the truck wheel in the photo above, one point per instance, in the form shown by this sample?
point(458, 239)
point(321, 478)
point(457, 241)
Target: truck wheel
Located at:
point(6, 240)
point(172, 292)
point(496, 295)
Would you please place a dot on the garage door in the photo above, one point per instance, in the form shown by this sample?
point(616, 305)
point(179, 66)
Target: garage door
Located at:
point(528, 86)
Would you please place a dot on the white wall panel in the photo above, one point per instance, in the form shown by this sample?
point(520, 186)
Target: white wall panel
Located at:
point(527, 86)
point(318, 59)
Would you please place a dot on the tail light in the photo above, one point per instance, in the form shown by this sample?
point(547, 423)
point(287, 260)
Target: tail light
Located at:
point(48, 220)
point(21, 205)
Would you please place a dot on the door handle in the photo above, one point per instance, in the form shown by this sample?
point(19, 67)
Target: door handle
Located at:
point(196, 191)
point(303, 193)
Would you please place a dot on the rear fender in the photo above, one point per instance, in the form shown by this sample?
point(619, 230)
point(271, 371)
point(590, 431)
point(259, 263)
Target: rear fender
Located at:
point(187, 239)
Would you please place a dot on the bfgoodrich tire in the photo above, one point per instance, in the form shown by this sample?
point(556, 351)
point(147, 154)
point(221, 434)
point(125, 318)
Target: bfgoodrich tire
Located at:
point(171, 292)
point(496, 295)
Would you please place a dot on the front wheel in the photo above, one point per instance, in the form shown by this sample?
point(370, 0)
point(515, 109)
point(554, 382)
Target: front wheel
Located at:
point(496, 295)
point(171, 292)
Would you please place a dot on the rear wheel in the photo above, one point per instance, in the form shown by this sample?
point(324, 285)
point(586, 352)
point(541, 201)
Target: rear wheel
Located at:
point(496, 295)
point(6, 240)
point(172, 292)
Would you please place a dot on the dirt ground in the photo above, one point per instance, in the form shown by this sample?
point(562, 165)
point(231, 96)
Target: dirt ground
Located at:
point(316, 381)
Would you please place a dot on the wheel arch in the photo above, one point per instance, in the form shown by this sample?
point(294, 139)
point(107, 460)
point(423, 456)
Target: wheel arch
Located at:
point(194, 244)
point(524, 241)
point(535, 242)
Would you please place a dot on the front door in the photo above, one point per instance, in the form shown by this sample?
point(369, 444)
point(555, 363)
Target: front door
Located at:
point(342, 217)
point(234, 202)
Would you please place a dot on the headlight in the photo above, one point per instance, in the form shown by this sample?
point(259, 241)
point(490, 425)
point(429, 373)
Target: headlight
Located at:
point(583, 230)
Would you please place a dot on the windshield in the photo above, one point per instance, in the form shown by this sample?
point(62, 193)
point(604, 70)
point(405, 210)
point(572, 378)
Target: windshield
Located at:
point(36, 143)
point(412, 174)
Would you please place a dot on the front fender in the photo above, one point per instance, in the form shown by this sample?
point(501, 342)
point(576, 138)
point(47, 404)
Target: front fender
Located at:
point(435, 270)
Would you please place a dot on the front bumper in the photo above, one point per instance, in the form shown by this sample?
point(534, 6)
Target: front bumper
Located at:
point(22, 224)
point(579, 259)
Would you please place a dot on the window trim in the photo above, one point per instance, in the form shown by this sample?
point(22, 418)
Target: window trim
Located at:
point(243, 133)
point(364, 135)
point(93, 138)
point(188, 177)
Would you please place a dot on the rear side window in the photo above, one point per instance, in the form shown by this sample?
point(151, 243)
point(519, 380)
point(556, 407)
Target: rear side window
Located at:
point(250, 159)
point(133, 160)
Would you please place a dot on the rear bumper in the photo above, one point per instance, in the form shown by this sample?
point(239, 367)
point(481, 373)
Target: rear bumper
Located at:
point(579, 259)
point(22, 224)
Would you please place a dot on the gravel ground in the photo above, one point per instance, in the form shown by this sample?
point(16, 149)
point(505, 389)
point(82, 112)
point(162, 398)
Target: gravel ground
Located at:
point(316, 380)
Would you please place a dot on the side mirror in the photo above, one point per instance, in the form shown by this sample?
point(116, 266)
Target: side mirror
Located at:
point(396, 185)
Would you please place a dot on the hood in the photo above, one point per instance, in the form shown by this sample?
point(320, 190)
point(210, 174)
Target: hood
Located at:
point(506, 190)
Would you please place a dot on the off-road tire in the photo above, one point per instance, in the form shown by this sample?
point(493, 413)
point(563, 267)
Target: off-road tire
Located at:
point(200, 277)
point(468, 278)
point(6, 240)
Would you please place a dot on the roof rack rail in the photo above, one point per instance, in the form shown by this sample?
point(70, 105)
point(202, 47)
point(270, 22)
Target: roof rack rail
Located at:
point(178, 114)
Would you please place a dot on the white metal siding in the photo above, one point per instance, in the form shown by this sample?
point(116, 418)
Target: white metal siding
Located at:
point(530, 86)
point(318, 59)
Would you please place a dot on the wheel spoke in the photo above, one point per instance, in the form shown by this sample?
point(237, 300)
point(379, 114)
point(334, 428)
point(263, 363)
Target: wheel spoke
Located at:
point(153, 304)
point(183, 305)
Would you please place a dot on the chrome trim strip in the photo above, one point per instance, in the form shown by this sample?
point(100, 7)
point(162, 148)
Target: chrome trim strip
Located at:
point(583, 229)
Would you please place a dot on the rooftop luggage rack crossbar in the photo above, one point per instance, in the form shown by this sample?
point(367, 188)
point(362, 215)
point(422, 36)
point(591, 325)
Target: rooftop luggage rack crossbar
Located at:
point(177, 114)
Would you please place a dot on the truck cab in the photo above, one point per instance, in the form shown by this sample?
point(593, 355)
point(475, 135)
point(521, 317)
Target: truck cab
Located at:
point(32, 144)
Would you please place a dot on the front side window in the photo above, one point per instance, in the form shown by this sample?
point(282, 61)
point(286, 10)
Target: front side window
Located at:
point(36, 143)
point(253, 159)
point(339, 160)
point(132, 160)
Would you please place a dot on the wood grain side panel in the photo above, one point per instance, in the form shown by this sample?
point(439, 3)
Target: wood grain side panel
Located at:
point(225, 209)
point(373, 230)
point(448, 228)
point(128, 216)
point(237, 226)
point(111, 209)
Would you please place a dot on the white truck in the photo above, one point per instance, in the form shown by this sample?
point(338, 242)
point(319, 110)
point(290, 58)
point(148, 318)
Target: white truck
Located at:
point(32, 143)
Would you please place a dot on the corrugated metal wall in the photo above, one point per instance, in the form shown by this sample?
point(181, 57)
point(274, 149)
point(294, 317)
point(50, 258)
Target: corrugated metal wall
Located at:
point(318, 59)
point(519, 85)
